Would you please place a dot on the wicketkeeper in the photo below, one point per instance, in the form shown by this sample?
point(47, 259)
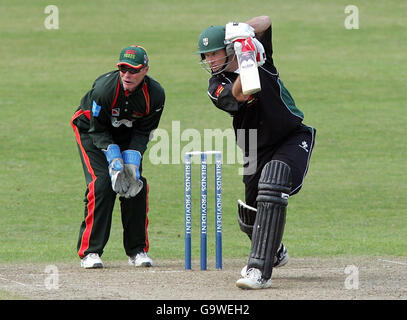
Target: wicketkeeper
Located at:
point(282, 144)
point(112, 128)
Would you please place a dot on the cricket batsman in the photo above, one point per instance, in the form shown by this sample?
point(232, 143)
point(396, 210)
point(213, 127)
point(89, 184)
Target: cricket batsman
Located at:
point(112, 127)
point(283, 142)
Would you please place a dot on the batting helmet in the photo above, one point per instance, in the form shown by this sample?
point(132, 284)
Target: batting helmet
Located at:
point(213, 39)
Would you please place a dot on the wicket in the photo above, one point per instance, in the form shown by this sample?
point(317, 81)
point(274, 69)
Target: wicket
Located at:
point(203, 207)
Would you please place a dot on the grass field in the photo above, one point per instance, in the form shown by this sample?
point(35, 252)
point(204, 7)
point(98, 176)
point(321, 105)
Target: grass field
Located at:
point(351, 85)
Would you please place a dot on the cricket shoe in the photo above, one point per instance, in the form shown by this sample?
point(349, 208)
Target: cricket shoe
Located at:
point(253, 280)
point(91, 261)
point(141, 259)
point(280, 259)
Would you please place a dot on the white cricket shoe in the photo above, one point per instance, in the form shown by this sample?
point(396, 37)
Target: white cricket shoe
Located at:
point(91, 261)
point(253, 280)
point(141, 259)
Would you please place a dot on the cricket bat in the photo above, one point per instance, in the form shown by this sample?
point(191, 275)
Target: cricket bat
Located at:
point(249, 74)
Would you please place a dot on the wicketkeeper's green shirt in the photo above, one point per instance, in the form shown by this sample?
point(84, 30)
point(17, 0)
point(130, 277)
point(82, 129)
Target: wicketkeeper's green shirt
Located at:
point(112, 115)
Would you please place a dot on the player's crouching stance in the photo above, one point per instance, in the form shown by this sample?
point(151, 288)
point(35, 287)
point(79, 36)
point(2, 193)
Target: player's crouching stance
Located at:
point(112, 127)
point(283, 143)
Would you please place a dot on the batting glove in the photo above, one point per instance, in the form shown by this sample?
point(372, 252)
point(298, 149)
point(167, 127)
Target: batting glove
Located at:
point(116, 168)
point(131, 160)
point(252, 44)
point(237, 30)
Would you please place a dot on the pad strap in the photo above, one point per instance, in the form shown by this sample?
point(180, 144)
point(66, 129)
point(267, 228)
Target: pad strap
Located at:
point(246, 217)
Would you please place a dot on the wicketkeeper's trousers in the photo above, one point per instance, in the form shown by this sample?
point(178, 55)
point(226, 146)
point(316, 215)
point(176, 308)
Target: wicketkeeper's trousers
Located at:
point(99, 203)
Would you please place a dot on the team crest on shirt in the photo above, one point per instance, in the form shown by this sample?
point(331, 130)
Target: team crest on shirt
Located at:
point(115, 112)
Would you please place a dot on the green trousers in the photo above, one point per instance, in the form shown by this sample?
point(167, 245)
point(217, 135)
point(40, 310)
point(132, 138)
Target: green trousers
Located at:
point(99, 203)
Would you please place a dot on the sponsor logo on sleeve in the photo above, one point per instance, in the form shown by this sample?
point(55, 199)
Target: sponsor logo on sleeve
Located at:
point(219, 91)
point(95, 109)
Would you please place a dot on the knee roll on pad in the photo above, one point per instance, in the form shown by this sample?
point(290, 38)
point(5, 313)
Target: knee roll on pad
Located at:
point(275, 183)
point(246, 217)
point(274, 189)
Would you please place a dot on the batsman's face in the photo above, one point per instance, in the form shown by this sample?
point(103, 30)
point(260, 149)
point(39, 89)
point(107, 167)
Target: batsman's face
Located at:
point(132, 80)
point(216, 59)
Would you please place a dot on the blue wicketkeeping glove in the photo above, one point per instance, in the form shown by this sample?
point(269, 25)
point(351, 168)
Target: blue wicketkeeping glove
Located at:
point(116, 169)
point(131, 160)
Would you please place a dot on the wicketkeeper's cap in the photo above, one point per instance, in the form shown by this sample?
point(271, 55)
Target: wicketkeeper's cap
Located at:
point(133, 56)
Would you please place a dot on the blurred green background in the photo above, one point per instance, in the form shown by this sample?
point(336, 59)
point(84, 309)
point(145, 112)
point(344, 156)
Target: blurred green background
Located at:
point(351, 85)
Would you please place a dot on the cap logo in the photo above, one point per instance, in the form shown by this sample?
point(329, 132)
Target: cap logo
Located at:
point(130, 54)
point(205, 41)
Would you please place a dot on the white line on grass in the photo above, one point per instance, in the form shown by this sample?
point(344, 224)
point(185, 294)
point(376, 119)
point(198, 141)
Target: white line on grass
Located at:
point(8, 280)
point(162, 271)
point(396, 262)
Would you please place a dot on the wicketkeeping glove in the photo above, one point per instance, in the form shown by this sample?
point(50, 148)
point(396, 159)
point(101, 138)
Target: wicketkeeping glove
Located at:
point(116, 169)
point(131, 160)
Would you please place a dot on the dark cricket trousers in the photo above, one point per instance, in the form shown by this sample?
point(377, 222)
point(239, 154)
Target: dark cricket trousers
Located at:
point(295, 151)
point(99, 203)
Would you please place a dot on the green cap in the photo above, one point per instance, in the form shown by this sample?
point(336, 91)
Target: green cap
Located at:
point(133, 56)
point(211, 39)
